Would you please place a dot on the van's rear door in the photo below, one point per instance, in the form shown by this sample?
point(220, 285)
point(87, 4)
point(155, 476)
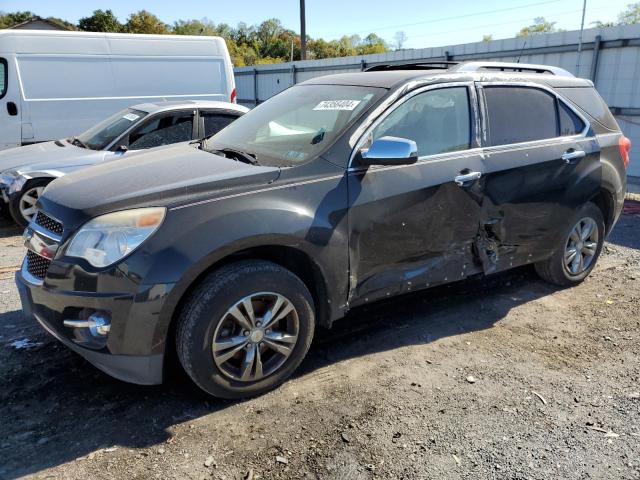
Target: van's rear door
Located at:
point(10, 107)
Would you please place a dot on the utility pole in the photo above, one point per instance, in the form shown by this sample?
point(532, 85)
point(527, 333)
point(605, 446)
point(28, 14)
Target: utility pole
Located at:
point(303, 33)
point(584, 10)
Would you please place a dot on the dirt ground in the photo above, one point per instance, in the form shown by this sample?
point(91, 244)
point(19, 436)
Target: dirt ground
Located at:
point(504, 378)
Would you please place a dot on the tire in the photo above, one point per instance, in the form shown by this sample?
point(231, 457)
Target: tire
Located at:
point(31, 190)
point(555, 270)
point(206, 318)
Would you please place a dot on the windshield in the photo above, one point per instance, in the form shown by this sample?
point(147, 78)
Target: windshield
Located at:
point(296, 125)
point(101, 136)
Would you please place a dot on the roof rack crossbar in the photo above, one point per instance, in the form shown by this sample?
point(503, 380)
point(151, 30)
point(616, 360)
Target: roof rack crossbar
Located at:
point(435, 65)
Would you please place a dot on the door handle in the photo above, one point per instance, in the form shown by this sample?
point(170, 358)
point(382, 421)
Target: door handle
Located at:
point(570, 155)
point(466, 177)
point(12, 109)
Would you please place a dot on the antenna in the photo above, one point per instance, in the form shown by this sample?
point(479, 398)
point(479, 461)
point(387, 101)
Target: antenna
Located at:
point(521, 50)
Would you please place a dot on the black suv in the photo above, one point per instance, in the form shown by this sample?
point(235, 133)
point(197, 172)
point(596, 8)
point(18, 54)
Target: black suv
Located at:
point(337, 192)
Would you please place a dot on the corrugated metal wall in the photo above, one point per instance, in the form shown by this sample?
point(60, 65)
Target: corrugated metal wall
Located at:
point(610, 57)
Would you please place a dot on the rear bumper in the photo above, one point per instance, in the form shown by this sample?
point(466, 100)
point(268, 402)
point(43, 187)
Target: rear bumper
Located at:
point(47, 308)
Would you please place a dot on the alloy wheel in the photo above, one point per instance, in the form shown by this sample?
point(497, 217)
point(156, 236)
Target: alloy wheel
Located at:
point(581, 246)
point(256, 336)
point(28, 202)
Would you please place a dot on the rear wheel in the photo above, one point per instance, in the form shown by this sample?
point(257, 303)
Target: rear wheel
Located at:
point(245, 329)
point(23, 204)
point(582, 243)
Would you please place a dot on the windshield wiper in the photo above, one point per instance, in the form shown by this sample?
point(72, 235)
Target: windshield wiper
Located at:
point(239, 155)
point(77, 142)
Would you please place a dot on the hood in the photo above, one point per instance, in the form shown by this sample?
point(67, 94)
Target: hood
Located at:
point(47, 156)
point(164, 177)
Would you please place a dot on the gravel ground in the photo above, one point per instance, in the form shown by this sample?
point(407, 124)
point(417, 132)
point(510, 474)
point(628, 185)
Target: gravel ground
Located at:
point(505, 378)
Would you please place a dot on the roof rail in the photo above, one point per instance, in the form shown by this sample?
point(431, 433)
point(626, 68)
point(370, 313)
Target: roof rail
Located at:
point(511, 67)
point(437, 65)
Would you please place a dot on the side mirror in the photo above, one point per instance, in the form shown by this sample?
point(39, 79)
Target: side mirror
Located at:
point(122, 149)
point(390, 151)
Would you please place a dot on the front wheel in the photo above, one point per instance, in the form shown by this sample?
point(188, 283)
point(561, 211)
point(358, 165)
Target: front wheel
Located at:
point(22, 205)
point(582, 243)
point(245, 329)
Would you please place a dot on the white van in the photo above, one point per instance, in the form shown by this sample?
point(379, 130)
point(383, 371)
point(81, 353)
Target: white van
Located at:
point(57, 84)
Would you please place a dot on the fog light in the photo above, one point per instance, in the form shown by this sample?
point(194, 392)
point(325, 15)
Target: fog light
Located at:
point(98, 324)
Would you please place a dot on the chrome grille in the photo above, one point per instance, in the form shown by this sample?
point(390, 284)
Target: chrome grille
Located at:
point(37, 265)
point(48, 223)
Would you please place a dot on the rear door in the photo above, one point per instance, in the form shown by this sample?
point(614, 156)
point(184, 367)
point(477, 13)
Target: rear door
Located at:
point(542, 162)
point(413, 226)
point(10, 107)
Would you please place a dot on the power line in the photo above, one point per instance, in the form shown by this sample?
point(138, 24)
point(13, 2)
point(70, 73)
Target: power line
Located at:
point(511, 22)
point(468, 15)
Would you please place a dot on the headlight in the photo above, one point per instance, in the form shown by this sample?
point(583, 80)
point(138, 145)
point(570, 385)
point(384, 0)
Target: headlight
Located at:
point(109, 238)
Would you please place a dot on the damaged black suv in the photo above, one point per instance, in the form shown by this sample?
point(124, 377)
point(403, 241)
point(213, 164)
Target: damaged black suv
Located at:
point(337, 192)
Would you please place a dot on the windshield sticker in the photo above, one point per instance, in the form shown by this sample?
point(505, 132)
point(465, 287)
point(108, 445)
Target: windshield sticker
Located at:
point(292, 154)
point(132, 117)
point(347, 105)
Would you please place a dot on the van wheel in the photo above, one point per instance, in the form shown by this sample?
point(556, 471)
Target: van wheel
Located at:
point(22, 205)
point(576, 257)
point(245, 329)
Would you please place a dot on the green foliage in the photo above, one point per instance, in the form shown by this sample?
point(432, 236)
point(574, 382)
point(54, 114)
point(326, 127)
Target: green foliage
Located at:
point(100, 21)
point(487, 38)
point(145, 22)
point(267, 42)
point(10, 19)
point(631, 15)
point(540, 25)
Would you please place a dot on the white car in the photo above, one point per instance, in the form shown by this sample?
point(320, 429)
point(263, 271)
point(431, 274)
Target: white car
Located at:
point(26, 171)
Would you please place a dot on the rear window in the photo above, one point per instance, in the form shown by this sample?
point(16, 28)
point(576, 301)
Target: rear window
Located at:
point(519, 114)
point(214, 122)
point(570, 123)
point(3, 77)
point(589, 101)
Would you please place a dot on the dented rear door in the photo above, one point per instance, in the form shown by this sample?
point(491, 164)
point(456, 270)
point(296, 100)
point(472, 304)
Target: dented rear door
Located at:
point(541, 162)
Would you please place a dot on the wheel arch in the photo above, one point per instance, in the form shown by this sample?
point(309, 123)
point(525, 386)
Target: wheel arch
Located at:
point(604, 200)
point(294, 259)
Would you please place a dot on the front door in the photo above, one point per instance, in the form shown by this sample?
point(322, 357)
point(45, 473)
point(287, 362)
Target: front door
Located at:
point(10, 107)
point(541, 163)
point(414, 226)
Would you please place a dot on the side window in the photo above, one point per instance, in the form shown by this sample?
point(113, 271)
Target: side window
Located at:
point(162, 130)
point(570, 123)
point(437, 120)
point(519, 114)
point(3, 77)
point(214, 122)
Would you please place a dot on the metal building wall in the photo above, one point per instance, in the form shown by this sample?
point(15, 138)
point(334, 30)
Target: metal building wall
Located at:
point(610, 57)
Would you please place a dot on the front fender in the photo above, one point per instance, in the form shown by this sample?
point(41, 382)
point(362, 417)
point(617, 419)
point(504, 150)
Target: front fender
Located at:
point(310, 219)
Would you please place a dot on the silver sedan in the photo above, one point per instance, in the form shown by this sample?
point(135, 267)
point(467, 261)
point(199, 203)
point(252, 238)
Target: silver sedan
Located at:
point(26, 171)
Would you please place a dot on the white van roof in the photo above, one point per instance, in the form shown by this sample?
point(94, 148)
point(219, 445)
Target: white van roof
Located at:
point(96, 43)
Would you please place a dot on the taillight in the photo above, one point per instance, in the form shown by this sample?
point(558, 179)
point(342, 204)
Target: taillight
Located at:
point(234, 96)
point(625, 147)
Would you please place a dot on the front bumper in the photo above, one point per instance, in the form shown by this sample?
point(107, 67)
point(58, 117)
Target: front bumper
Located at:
point(132, 352)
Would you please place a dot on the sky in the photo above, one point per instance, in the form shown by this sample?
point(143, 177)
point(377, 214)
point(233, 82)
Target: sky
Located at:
point(426, 23)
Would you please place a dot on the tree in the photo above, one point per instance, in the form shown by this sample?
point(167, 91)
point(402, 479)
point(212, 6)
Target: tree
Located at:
point(195, 27)
point(540, 25)
point(10, 19)
point(487, 38)
point(100, 21)
point(400, 38)
point(145, 22)
point(599, 24)
point(631, 15)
